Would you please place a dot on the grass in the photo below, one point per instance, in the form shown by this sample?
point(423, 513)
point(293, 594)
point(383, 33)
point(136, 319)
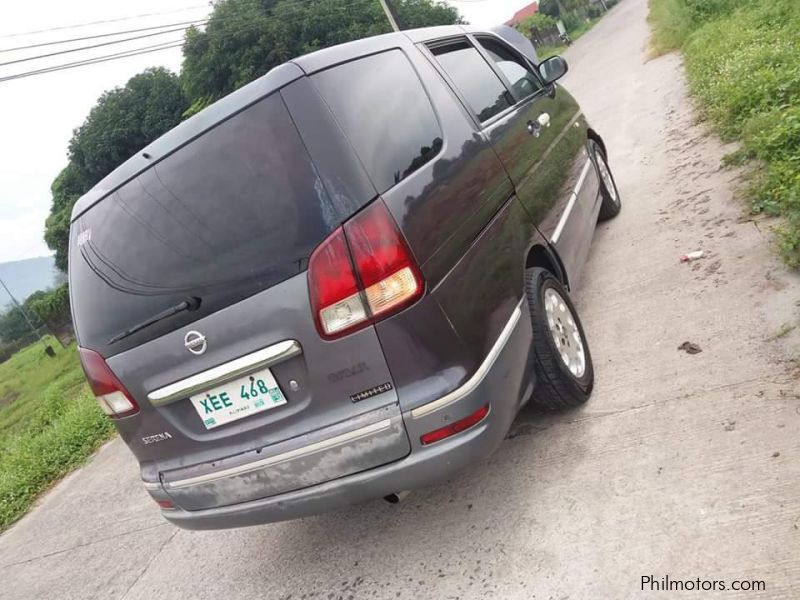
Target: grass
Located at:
point(743, 66)
point(783, 331)
point(49, 424)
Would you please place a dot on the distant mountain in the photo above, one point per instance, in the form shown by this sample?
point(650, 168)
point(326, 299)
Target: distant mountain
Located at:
point(23, 277)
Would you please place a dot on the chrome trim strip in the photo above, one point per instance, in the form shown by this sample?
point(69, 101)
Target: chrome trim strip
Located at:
point(152, 487)
point(338, 440)
point(266, 357)
point(473, 382)
point(571, 204)
point(558, 139)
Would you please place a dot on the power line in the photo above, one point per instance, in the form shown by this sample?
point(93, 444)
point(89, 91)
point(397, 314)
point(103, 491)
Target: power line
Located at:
point(102, 35)
point(117, 20)
point(291, 4)
point(24, 313)
point(129, 39)
point(100, 59)
point(132, 52)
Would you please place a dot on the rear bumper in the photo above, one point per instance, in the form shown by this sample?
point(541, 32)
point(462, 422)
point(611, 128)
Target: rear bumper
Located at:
point(501, 382)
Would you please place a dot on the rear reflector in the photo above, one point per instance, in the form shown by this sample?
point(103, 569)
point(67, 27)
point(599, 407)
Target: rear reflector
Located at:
point(438, 435)
point(165, 504)
point(111, 395)
point(362, 272)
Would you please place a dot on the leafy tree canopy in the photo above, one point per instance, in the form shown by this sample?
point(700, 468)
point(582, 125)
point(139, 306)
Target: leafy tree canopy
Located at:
point(123, 121)
point(549, 8)
point(536, 21)
point(246, 38)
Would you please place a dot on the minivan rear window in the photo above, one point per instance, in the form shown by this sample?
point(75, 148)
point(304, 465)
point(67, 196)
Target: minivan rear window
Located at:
point(385, 112)
point(235, 211)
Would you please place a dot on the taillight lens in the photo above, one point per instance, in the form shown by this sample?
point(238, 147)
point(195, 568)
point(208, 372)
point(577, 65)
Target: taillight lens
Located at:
point(111, 395)
point(386, 276)
point(335, 296)
point(442, 433)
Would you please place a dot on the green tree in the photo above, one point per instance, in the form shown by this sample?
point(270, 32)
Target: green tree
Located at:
point(537, 21)
point(246, 38)
point(123, 121)
point(550, 8)
point(13, 325)
point(51, 307)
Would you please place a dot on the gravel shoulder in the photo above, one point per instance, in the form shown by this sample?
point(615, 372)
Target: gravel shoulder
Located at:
point(686, 465)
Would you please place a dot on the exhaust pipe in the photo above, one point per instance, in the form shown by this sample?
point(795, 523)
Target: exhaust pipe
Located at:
point(396, 497)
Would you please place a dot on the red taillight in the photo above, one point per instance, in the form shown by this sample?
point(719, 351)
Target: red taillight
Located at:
point(438, 435)
point(386, 276)
point(111, 395)
point(165, 504)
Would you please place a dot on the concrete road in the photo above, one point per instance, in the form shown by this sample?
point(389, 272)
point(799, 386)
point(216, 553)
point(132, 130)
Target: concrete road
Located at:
point(685, 466)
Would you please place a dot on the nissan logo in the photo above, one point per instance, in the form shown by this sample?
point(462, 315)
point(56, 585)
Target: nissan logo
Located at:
point(195, 342)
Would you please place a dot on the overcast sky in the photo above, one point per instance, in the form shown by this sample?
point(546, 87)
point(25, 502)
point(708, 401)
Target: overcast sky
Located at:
point(38, 114)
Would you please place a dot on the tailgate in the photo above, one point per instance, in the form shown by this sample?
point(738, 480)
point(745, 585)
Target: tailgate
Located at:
point(329, 388)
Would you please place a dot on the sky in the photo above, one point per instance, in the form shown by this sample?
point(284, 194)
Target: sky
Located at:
point(38, 114)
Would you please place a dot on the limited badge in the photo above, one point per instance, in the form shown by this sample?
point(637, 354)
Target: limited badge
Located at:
point(374, 391)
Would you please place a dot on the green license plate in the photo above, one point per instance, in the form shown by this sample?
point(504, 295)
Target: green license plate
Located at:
point(237, 399)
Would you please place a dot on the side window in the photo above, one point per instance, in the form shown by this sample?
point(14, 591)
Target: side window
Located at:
point(383, 109)
point(482, 89)
point(519, 75)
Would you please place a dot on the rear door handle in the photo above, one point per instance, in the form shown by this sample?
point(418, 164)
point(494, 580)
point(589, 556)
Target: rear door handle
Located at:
point(544, 119)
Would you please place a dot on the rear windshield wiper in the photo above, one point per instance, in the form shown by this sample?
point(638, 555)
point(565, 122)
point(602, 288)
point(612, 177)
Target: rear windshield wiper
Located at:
point(190, 304)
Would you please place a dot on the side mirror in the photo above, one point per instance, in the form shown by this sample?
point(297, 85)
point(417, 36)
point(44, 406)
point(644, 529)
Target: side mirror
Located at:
point(553, 68)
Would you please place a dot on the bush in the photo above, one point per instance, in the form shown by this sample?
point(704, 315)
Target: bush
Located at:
point(595, 11)
point(539, 23)
point(572, 21)
point(30, 463)
point(53, 308)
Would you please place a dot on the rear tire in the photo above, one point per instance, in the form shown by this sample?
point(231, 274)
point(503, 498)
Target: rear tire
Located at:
point(611, 202)
point(561, 358)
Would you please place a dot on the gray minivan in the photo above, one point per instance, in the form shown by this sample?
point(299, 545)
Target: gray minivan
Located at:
point(343, 280)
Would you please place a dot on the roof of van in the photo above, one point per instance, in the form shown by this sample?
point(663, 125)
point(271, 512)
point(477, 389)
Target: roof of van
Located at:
point(234, 102)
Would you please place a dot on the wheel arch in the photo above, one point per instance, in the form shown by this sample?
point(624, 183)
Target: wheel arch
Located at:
point(547, 258)
point(593, 135)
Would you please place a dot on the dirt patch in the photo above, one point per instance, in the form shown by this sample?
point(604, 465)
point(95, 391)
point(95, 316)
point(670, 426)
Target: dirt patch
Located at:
point(7, 398)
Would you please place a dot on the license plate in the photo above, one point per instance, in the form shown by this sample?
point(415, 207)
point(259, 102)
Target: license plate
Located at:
point(238, 399)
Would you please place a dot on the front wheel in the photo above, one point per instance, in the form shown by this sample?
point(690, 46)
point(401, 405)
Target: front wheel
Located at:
point(563, 364)
point(611, 203)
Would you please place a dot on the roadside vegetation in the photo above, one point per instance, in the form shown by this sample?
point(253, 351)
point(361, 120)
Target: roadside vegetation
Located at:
point(49, 424)
point(743, 66)
point(42, 310)
point(578, 17)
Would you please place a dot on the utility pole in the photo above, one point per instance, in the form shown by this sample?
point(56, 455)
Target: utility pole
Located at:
point(33, 329)
point(389, 14)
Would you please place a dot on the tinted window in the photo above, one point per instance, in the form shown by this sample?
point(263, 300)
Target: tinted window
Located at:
point(519, 75)
point(235, 211)
point(482, 89)
point(385, 112)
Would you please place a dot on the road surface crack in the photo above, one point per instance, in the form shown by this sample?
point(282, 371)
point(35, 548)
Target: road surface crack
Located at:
point(149, 562)
point(77, 546)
